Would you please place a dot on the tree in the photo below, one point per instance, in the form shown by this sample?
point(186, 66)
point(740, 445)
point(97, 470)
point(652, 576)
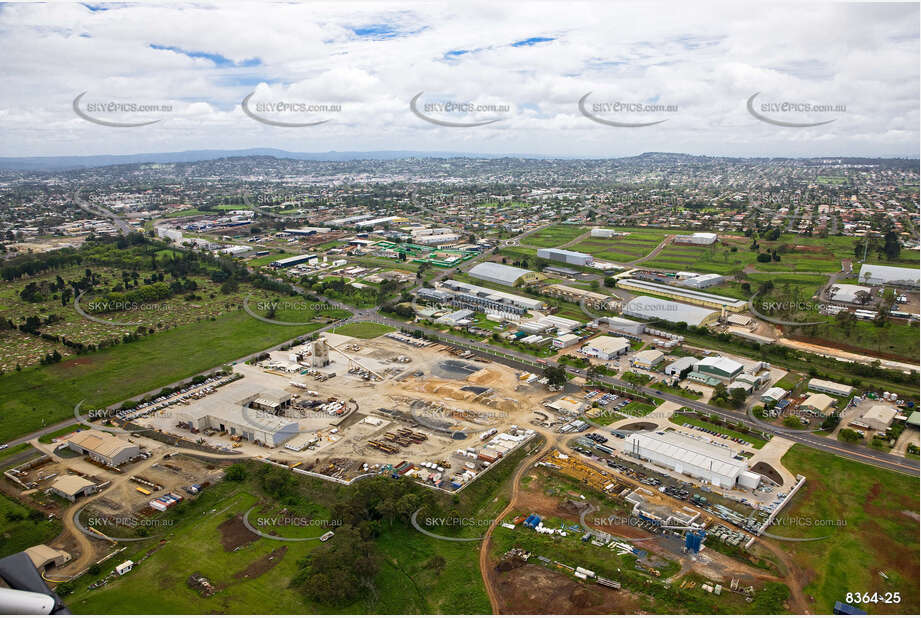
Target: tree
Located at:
point(235, 472)
point(556, 376)
point(793, 422)
point(341, 570)
point(849, 435)
point(737, 396)
point(892, 247)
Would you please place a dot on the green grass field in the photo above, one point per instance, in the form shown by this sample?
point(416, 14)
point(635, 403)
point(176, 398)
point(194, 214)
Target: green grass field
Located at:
point(870, 516)
point(19, 531)
point(49, 437)
point(43, 395)
point(554, 235)
point(364, 330)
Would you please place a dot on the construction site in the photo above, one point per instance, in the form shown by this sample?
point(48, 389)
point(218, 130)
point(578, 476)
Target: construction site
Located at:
point(343, 407)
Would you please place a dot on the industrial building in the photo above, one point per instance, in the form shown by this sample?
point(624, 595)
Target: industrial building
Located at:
point(501, 274)
point(564, 341)
point(550, 323)
point(832, 388)
point(429, 231)
point(592, 300)
point(649, 308)
point(437, 240)
point(683, 454)
point(818, 402)
point(461, 317)
point(647, 359)
point(876, 274)
point(681, 367)
point(719, 367)
point(879, 417)
point(773, 394)
point(71, 487)
point(847, 293)
point(700, 282)
point(103, 447)
point(307, 231)
point(713, 301)
point(697, 238)
point(43, 557)
point(253, 419)
point(614, 324)
point(478, 298)
point(600, 232)
point(565, 256)
point(605, 347)
point(380, 221)
point(293, 260)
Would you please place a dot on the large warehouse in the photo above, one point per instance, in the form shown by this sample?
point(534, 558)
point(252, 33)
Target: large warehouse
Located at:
point(685, 455)
point(566, 256)
point(254, 418)
point(469, 296)
point(876, 274)
point(103, 447)
point(706, 299)
point(648, 308)
point(697, 238)
point(719, 367)
point(605, 347)
point(500, 273)
point(624, 326)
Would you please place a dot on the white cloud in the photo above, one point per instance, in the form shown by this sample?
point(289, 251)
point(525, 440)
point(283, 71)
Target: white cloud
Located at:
point(705, 58)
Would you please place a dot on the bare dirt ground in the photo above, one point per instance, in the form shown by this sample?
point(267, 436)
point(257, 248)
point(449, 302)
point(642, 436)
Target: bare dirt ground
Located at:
point(263, 565)
point(235, 534)
point(531, 589)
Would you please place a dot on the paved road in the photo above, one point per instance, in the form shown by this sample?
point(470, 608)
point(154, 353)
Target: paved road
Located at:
point(99, 211)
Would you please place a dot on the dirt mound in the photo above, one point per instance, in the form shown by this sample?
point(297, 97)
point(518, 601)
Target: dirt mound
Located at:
point(262, 565)
point(484, 376)
point(535, 590)
point(767, 470)
point(235, 535)
point(573, 506)
point(508, 564)
point(201, 584)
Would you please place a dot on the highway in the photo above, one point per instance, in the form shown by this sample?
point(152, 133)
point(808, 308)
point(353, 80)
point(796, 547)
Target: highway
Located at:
point(99, 211)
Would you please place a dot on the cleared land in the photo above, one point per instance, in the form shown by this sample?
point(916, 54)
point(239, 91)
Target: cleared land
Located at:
point(870, 517)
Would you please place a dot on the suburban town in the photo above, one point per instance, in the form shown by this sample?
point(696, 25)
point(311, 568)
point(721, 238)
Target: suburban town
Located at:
point(273, 381)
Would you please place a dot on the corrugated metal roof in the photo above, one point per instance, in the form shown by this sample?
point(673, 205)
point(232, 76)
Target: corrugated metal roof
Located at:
point(649, 308)
point(502, 272)
point(690, 451)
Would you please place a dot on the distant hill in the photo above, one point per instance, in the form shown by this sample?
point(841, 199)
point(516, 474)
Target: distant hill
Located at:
point(47, 164)
point(65, 163)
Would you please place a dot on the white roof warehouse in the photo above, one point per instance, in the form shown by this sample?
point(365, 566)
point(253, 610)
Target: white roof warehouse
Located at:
point(649, 308)
point(685, 455)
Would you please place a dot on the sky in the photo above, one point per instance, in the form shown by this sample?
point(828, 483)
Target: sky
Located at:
point(674, 77)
